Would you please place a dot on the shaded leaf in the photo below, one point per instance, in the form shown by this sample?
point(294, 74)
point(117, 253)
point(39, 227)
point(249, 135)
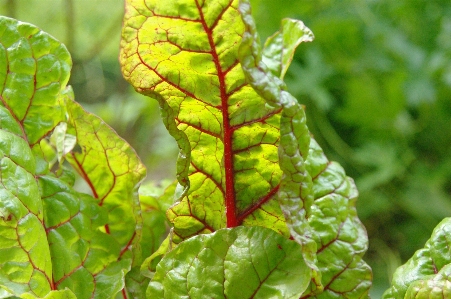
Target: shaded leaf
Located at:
point(243, 262)
point(427, 273)
point(112, 170)
point(279, 48)
point(340, 236)
point(295, 192)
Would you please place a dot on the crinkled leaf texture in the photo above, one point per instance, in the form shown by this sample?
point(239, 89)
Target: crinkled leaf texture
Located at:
point(54, 241)
point(428, 273)
point(242, 262)
point(246, 156)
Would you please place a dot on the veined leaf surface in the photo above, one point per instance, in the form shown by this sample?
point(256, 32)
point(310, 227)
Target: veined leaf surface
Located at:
point(34, 70)
point(53, 241)
point(184, 53)
point(428, 273)
point(112, 170)
point(243, 138)
point(243, 262)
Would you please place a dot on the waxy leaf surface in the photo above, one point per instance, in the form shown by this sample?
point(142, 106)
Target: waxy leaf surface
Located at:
point(54, 241)
point(243, 262)
point(428, 273)
point(340, 236)
point(242, 135)
point(184, 54)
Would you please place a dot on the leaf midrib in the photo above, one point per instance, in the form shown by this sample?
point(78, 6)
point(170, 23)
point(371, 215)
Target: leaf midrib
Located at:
point(229, 197)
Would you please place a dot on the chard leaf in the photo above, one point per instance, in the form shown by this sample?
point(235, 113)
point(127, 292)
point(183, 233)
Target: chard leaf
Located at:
point(243, 262)
point(54, 241)
point(279, 48)
point(34, 70)
point(25, 263)
point(325, 203)
point(251, 156)
point(428, 273)
point(340, 236)
point(63, 294)
point(31, 66)
point(295, 192)
point(112, 170)
point(84, 259)
point(184, 54)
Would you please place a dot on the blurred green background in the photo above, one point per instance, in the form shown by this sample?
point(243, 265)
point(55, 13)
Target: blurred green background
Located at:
point(376, 83)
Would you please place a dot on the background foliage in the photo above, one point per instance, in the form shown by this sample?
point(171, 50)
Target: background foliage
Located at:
point(376, 82)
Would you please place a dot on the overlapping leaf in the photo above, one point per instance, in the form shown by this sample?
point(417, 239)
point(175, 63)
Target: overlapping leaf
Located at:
point(84, 259)
point(112, 170)
point(248, 142)
point(25, 263)
point(428, 273)
point(243, 262)
point(51, 237)
point(33, 70)
point(339, 235)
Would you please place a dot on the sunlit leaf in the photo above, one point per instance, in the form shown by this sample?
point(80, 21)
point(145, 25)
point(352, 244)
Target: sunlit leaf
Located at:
point(248, 140)
point(34, 70)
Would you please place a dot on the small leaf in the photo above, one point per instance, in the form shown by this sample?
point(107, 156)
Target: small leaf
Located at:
point(428, 273)
point(244, 262)
point(279, 48)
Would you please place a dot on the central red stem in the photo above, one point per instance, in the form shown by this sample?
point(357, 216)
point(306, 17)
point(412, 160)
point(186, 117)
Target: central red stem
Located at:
point(227, 131)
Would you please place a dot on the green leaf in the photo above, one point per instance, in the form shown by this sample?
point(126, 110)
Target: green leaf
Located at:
point(428, 273)
point(54, 241)
point(34, 70)
point(295, 193)
point(184, 55)
point(244, 262)
point(63, 294)
point(248, 151)
point(25, 264)
point(279, 48)
point(112, 170)
point(83, 257)
point(340, 236)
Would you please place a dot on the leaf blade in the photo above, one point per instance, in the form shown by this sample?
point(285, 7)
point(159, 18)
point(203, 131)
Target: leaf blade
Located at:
point(112, 170)
point(36, 71)
point(241, 262)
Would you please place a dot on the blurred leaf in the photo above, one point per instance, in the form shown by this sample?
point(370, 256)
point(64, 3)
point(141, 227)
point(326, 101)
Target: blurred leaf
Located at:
point(427, 273)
